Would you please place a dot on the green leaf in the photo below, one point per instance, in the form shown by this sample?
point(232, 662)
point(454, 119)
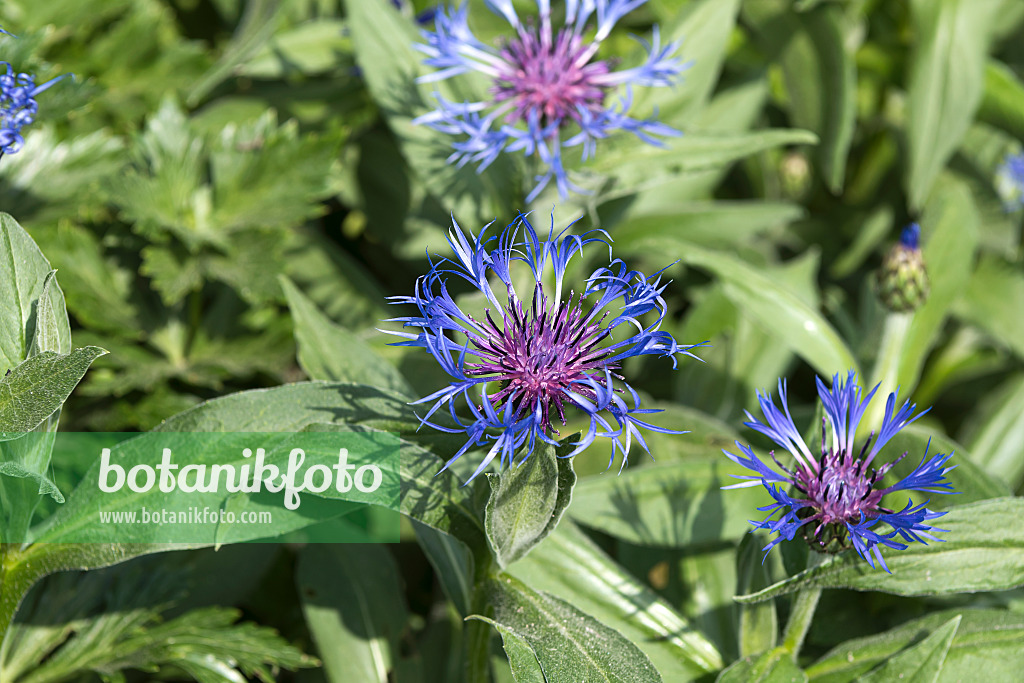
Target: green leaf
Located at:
point(987, 638)
point(568, 644)
point(945, 85)
point(774, 666)
point(521, 657)
point(633, 169)
point(452, 561)
point(1003, 102)
point(127, 632)
point(255, 28)
point(983, 551)
point(49, 333)
point(703, 27)
point(673, 504)
point(819, 72)
point(710, 224)
point(330, 352)
point(795, 324)
point(527, 501)
point(59, 177)
point(570, 566)
point(990, 299)
point(921, 663)
point(310, 48)
point(24, 274)
point(38, 387)
point(759, 622)
point(352, 602)
point(999, 440)
point(281, 409)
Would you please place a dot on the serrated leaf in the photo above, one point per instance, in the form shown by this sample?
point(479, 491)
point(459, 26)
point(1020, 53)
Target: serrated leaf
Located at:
point(330, 352)
point(921, 663)
point(38, 387)
point(353, 607)
point(127, 633)
point(568, 644)
point(570, 566)
point(983, 551)
point(946, 83)
point(527, 501)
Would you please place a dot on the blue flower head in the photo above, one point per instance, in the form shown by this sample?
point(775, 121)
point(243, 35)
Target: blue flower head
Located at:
point(18, 106)
point(835, 500)
point(548, 91)
point(1010, 181)
point(535, 354)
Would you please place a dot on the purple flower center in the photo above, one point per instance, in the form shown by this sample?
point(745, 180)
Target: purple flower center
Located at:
point(840, 489)
point(540, 353)
point(549, 80)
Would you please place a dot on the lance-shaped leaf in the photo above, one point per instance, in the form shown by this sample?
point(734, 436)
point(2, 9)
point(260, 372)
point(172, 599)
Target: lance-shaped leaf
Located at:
point(38, 387)
point(527, 501)
point(992, 636)
point(568, 645)
point(570, 566)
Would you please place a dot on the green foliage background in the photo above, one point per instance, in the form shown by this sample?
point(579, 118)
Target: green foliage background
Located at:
point(230, 190)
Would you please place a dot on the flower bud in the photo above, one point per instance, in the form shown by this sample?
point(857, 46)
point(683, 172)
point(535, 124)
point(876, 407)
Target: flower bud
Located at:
point(902, 281)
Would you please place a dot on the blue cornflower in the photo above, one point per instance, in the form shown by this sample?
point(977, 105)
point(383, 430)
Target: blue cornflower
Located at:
point(1010, 181)
point(836, 499)
point(524, 362)
point(547, 89)
point(18, 105)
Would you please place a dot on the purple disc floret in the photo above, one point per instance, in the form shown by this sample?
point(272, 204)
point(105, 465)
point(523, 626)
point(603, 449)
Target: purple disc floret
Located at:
point(548, 89)
point(835, 499)
point(531, 356)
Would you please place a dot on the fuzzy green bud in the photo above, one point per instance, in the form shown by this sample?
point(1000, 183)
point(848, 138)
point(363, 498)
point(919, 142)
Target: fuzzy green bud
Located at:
point(902, 281)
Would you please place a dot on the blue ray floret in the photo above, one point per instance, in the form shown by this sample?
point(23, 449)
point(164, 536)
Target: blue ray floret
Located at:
point(530, 355)
point(836, 499)
point(18, 106)
point(1010, 181)
point(548, 91)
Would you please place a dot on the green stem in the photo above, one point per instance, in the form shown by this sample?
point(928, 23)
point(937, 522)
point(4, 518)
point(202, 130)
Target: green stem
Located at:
point(800, 620)
point(887, 363)
point(802, 614)
point(8, 600)
point(477, 639)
